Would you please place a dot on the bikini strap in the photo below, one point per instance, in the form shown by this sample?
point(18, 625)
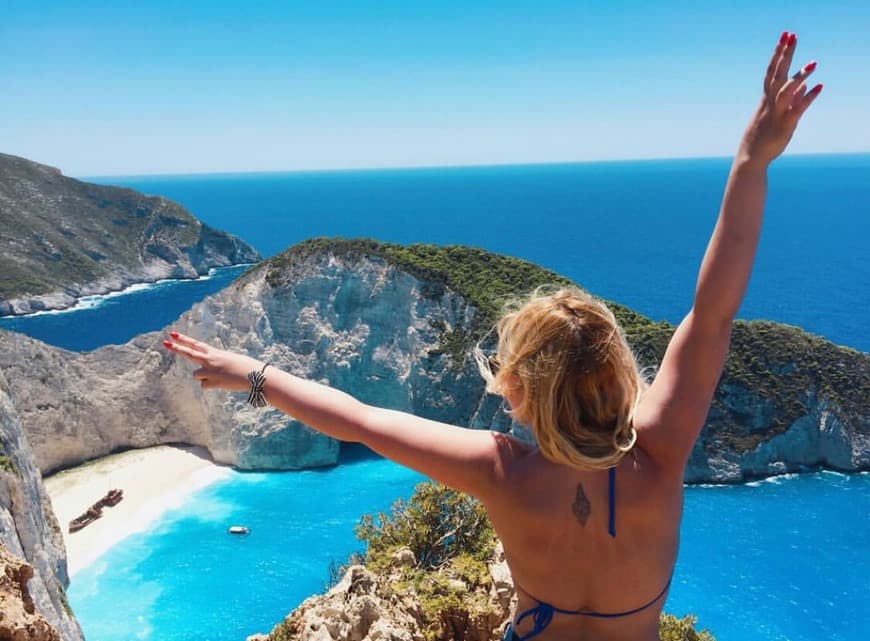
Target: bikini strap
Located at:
point(614, 615)
point(542, 614)
point(611, 491)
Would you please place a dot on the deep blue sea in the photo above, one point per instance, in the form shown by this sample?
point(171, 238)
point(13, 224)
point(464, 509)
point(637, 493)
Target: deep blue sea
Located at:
point(784, 559)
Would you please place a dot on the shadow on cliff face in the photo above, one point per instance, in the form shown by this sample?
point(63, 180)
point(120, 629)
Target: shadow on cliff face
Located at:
point(350, 453)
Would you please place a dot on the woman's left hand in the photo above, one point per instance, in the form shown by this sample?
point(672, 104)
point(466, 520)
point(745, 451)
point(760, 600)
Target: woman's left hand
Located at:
point(784, 102)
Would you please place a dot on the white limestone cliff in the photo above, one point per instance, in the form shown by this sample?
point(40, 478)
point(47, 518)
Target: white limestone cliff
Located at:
point(359, 325)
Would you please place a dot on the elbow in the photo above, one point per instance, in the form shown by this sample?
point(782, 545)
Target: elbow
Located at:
point(712, 320)
point(711, 309)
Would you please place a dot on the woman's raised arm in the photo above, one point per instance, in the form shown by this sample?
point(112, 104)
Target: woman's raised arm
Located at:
point(676, 405)
point(465, 459)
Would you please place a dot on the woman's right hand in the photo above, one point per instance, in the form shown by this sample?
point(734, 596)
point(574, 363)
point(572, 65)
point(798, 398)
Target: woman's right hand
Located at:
point(218, 368)
point(784, 102)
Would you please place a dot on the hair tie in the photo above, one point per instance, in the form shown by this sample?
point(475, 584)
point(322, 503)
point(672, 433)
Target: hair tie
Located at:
point(631, 441)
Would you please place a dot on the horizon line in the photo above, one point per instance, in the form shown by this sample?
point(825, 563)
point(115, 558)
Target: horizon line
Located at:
point(444, 166)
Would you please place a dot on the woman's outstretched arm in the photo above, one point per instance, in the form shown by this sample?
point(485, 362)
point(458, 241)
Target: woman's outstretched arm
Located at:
point(462, 458)
point(675, 407)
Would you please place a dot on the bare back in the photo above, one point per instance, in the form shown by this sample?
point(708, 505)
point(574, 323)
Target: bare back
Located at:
point(553, 521)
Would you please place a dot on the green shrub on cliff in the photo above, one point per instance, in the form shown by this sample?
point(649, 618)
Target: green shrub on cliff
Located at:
point(673, 629)
point(452, 540)
point(6, 464)
point(436, 524)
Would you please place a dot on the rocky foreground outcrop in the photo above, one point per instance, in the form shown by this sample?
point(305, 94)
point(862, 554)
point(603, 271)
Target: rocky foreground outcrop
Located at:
point(393, 326)
point(364, 606)
point(19, 620)
point(33, 574)
point(62, 239)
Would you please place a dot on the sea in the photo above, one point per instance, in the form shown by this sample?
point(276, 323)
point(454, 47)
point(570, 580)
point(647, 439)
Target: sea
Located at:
point(781, 559)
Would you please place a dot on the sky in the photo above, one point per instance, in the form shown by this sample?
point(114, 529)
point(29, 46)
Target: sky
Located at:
point(168, 86)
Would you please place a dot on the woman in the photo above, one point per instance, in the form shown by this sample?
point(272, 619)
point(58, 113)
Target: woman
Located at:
point(588, 562)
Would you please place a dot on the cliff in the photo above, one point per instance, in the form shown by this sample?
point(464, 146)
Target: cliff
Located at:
point(63, 238)
point(359, 324)
point(33, 576)
point(393, 325)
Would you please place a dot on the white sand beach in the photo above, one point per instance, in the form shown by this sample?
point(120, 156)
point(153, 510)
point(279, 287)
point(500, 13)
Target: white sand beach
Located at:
point(154, 480)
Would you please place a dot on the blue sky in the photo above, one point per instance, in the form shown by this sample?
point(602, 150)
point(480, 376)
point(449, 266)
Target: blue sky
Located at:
point(101, 88)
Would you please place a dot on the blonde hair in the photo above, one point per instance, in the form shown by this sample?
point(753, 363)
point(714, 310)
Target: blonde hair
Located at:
point(580, 381)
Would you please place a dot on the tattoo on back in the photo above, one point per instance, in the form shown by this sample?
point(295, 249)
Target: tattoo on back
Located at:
point(581, 506)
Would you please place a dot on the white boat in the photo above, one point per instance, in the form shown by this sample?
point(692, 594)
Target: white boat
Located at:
point(238, 529)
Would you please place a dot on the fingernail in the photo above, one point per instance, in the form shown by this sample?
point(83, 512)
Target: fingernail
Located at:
point(167, 344)
point(817, 88)
point(783, 38)
point(810, 66)
point(175, 334)
point(792, 39)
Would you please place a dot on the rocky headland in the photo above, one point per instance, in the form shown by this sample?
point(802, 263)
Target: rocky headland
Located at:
point(63, 238)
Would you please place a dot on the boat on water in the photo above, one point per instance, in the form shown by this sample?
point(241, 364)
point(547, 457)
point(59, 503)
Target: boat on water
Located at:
point(112, 498)
point(238, 529)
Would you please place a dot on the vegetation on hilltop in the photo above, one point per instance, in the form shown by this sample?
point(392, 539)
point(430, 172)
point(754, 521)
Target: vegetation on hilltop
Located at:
point(488, 281)
point(783, 368)
point(774, 374)
point(452, 543)
point(485, 279)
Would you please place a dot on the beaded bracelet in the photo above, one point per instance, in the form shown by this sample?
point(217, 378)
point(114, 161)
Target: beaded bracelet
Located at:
point(257, 381)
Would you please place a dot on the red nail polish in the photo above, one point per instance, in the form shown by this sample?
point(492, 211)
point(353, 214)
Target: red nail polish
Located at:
point(817, 88)
point(792, 39)
point(167, 344)
point(810, 66)
point(783, 38)
point(175, 334)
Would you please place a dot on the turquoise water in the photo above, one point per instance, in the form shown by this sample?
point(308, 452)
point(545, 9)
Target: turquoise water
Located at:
point(785, 559)
point(774, 561)
point(187, 579)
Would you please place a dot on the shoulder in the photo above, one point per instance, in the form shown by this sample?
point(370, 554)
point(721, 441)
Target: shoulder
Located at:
point(509, 451)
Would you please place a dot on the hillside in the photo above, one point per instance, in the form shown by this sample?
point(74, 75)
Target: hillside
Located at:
point(64, 238)
point(776, 376)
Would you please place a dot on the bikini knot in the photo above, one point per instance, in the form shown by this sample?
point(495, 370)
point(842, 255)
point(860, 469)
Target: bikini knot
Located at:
point(541, 614)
